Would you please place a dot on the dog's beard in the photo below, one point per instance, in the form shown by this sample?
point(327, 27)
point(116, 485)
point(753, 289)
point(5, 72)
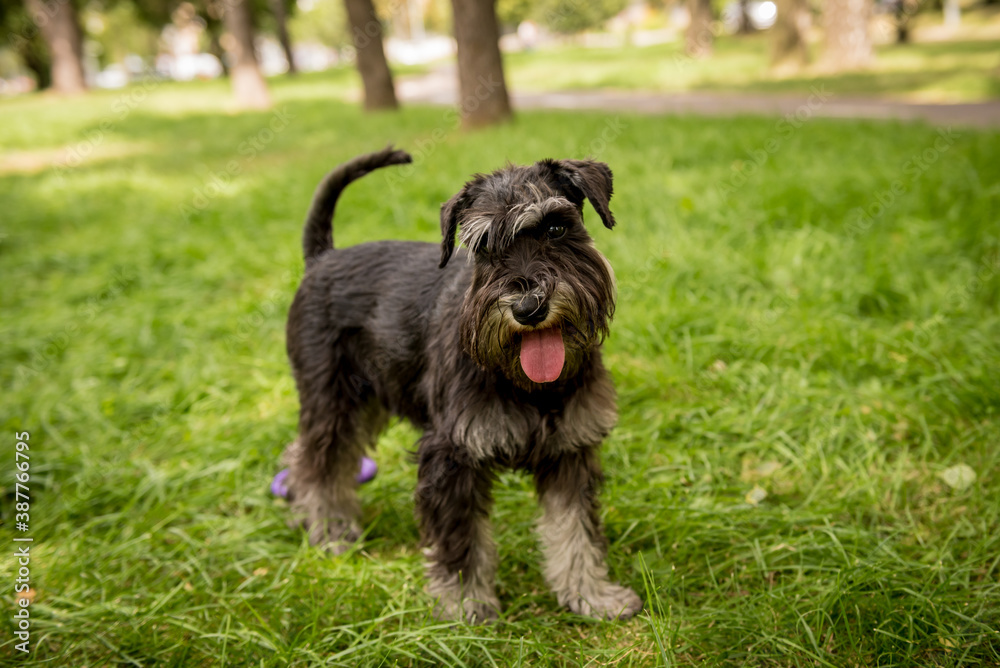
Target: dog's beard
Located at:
point(493, 338)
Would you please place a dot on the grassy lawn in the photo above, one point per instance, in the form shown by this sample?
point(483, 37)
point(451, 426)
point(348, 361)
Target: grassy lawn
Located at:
point(962, 71)
point(805, 470)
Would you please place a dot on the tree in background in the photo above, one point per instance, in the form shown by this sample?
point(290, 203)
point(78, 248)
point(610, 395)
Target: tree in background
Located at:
point(366, 33)
point(698, 36)
point(244, 70)
point(323, 21)
point(60, 28)
point(266, 15)
point(845, 23)
point(902, 12)
point(280, 13)
point(215, 31)
point(567, 17)
point(210, 13)
point(159, 13)
point(25, 39)
point(573, 16)
point(789, 50)
point(482, 91)
point(744, 27)
point(116, 30)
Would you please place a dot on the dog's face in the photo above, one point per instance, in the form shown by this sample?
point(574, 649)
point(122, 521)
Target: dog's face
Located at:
point(542, 295)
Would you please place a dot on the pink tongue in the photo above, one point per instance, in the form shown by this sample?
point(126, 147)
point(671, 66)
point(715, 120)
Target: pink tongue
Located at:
point(542, 354)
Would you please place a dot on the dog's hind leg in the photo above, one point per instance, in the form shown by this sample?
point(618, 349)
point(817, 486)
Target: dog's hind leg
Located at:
point(339, 417)
point(573, 539)
point(453, 502)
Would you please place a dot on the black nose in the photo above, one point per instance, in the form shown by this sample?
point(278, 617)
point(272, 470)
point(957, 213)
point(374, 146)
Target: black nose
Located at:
point(531, 309)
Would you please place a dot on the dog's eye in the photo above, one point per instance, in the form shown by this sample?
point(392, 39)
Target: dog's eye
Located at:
point(556, 231)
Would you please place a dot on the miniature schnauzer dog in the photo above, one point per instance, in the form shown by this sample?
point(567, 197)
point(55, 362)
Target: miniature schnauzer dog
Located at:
point(494, 355)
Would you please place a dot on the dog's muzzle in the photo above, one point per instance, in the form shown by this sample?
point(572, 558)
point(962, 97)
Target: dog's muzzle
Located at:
point(530, 309)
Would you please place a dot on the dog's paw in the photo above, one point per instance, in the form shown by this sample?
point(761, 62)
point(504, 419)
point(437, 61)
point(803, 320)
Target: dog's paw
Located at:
point(480, 612)
point(610, 601)
point(469, 610)
point(334, 536)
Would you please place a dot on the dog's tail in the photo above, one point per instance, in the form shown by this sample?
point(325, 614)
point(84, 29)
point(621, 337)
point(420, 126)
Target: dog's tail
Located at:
point(318, 234)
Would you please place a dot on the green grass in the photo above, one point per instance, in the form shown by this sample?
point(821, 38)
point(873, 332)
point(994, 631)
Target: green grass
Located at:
point(766, 348)
point(956, 71)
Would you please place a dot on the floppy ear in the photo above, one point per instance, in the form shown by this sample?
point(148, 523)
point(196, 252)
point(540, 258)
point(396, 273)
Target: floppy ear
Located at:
point(450, 211)
point(590, 179)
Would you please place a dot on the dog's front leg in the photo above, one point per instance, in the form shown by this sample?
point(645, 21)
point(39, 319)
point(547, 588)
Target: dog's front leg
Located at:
point(573, 539)
point(453, 502)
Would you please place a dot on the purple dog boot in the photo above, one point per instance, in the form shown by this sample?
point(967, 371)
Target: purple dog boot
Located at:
point(366, 473)
point(278, 486)
point(368, 470)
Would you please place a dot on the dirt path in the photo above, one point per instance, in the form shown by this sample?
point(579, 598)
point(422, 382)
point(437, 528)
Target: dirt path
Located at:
point(439, 87)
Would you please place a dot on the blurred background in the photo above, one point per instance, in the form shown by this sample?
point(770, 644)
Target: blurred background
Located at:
point(926, 50)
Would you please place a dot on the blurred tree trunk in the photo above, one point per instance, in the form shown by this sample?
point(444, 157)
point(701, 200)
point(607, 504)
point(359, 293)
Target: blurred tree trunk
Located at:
point(698, 36)
point(244, 70)
point(789, 50)
point(902, 18)
point(215, 45)
point(62, 33)
point(281, 22)
point(39, 66)
point(903, 12)
point(28, 43)
point(848, 45)
point(366, 33)
point(745, 26)
point(482, 91)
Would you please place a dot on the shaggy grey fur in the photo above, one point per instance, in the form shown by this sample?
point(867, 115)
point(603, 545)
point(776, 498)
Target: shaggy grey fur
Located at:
point(406, 329)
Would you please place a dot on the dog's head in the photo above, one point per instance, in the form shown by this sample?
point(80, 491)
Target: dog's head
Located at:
point(542, 295)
